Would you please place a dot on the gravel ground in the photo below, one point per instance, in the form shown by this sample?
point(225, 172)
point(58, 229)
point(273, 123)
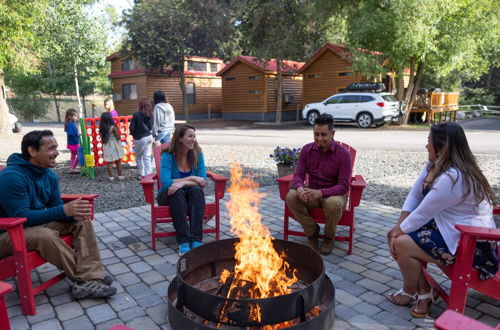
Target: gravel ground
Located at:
point(389, 175)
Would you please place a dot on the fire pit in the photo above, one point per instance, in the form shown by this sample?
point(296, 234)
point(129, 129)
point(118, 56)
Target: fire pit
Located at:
point(195, 300)
point(252, 282)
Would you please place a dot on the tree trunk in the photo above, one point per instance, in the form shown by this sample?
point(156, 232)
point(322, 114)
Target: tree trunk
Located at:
point(400, 86)
point(411, 93)
point(84, 106)
point(5, 128)
point(182, 83)
point(488, 78)
point(279, 91)
point(58, 110)
point(411, 82)
point(77, 87)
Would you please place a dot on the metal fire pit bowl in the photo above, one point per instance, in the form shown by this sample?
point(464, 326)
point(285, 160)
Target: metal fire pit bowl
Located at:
point(207, 262)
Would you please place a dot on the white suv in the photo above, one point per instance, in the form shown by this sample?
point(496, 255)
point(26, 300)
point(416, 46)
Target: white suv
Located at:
point(365, 109)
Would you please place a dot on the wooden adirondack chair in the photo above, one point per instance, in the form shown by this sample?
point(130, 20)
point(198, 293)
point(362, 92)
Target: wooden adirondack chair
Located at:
point(348, 219)
point(4, 316)
point(451, 320)
point(462, 274)
point(161, 214)
point(22, 261)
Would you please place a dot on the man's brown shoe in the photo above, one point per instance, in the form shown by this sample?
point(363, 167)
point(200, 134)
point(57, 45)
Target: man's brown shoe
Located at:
point(312, 241)
point(327, 246)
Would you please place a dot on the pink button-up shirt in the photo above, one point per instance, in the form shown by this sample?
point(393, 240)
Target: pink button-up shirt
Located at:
point(328, 171)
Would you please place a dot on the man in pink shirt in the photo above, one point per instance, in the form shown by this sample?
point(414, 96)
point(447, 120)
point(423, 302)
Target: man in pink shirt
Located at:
point(328, 166)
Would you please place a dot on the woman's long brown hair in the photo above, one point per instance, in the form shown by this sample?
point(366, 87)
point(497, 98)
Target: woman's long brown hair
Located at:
point(175, 146)
point(452, 150)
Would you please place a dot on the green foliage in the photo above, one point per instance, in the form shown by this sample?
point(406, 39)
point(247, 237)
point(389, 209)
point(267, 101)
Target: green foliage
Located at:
point(30, 106)
point(477, 96)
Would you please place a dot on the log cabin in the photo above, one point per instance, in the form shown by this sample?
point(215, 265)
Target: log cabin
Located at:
point(131, 82)
point(328, 72)
point(249, 89)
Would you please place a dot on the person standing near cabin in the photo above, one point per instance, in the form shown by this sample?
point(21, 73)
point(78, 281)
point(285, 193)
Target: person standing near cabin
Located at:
point(163, 118)
point(110, 107)
point(140, 128)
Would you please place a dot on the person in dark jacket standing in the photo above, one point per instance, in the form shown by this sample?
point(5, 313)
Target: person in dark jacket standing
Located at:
point(140, 128)
point(30, 189)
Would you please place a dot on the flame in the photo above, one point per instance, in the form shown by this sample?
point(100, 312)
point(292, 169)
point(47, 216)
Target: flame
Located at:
point(259, 272)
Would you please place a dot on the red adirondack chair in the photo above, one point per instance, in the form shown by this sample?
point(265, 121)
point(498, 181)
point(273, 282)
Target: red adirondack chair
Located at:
point(4, 317)
point(161, 214)
point(462, 274)
point(22, 261)
point(348, 219)
point(451, 320)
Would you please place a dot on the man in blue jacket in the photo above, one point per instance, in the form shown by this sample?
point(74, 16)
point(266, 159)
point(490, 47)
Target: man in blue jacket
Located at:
point(30, 189)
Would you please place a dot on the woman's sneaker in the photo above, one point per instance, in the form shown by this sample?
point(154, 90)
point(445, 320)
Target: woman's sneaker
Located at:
point(92, 289)
point(184, 248)
point(195, 244)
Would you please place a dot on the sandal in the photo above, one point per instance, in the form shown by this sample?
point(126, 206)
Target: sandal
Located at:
point(433, 296)
point(111, 179)
point(402, 293)
point(121, 178)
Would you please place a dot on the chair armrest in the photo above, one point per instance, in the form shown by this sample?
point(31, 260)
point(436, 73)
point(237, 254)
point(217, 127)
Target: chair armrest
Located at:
point(492, 234)
point(148, 187)
point(5, 288)
point(358, 184)
point(6, 223)
point(456, 321)
point(284, 184)
point(496, 210)
point(70, 197)
point(220, 184)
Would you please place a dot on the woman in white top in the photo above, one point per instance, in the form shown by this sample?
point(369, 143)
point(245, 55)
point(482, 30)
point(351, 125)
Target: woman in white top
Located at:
point(163, 118)
point(450, 190)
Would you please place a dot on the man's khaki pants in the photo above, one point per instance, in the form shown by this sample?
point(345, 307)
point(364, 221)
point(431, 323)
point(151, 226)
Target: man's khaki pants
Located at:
point(80, 263)
point(332, 206)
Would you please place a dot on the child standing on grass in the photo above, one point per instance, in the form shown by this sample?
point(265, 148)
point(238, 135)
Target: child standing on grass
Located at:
point(111, 147)
point(72, 135)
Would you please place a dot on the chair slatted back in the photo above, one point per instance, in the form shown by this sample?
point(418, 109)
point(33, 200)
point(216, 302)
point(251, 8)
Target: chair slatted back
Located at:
point(157, 157)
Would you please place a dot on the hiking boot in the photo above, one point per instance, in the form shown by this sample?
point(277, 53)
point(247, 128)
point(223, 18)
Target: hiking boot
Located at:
point(108, 279)
point(327, 246)
point(312, 241)
point(92, 289)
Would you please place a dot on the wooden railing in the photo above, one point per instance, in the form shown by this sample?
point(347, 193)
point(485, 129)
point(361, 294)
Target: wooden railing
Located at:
point(443, 104)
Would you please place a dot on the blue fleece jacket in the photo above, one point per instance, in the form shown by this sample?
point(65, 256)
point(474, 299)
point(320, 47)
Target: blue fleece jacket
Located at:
point(72, 133)
point(29, 191)
point(169, 170)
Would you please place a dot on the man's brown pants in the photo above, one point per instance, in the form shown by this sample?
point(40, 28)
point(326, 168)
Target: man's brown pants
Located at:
point(80, 263)
point(332, 206)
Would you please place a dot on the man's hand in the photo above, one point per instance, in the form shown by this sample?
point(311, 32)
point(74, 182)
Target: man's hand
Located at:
point(174, 187)
point(79, 208)
point(301, 194)
point(313, 193)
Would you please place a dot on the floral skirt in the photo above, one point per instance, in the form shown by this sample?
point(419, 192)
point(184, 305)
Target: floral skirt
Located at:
point(429, 239)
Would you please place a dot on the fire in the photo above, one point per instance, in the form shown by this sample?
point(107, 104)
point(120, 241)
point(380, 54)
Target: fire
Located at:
point(260, 272)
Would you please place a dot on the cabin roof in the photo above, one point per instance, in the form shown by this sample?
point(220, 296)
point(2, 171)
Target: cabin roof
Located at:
point(287, 66)
point(340, 50)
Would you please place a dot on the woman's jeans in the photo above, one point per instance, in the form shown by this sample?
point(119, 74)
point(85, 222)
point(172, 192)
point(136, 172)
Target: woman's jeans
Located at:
point(190, 201)
point(163, 136)
point(143, 154)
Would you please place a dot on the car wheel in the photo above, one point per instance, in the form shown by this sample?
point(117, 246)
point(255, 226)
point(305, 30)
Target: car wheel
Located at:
point(311, 116)
point(364, 120)
point(17, 127)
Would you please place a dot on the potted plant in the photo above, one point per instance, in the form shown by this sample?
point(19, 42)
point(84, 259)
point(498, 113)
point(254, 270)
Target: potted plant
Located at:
point(286, 159)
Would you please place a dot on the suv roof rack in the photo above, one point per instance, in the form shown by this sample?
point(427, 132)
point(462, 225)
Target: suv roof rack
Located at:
point(366, 87)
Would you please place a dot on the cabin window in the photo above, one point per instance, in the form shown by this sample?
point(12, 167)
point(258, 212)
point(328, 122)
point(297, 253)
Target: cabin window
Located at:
point(117, 97)
point(128, 65)
point(129, 91)
point(313, 76)
point(214, 67)
point(345, 74)
point(197, 66)
point(253, 77)
point(191, 93)
point(230, 78)
point(254, 91)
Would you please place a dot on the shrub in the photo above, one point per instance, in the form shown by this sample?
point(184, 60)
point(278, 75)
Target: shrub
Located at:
point(30, 106)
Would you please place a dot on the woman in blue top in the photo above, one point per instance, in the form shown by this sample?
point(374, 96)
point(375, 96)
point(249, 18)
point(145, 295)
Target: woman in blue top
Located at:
point(183, 177)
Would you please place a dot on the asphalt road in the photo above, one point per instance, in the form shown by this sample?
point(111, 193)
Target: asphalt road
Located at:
point(483, 135)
